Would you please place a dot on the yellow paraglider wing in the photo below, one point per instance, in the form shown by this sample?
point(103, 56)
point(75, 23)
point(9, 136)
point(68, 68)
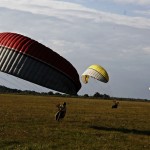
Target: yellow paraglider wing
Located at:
point(97, 72)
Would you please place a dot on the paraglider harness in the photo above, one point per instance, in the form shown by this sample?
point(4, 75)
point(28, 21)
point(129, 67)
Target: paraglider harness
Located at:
point(61, 111)
point(115, 104)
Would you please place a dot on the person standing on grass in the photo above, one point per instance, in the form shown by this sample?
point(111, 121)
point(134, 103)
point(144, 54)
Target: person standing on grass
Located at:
point(61, 111)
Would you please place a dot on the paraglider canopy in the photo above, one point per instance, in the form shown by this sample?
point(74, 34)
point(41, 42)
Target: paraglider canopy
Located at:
point(97, 72)
point(30, 60)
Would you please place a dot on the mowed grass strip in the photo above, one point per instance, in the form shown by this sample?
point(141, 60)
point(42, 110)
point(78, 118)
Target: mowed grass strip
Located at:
point(27, 122)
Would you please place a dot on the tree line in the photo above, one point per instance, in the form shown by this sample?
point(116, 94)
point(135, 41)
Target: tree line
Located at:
point(6, 90)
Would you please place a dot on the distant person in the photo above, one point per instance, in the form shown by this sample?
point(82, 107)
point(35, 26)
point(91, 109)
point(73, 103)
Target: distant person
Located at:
point(115, 105)
point(61, 111)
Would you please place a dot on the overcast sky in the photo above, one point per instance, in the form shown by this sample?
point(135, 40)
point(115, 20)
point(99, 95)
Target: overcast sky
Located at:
point(112, 33)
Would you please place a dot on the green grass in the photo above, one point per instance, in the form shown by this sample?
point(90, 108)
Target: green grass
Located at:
point(28, 123)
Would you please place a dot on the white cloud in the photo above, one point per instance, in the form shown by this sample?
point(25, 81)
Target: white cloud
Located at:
point(146, 50)
point(68, 11)
point(142, 12)
point(139, 2)
point(61, 45)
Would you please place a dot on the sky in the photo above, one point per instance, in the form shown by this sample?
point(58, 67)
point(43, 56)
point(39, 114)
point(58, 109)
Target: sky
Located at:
point(112, 33)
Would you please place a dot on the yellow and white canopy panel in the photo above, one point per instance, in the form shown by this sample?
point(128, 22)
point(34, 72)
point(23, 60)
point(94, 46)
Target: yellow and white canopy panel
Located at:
point(96, 72)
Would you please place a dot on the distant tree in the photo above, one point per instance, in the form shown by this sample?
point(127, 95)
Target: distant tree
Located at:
point(85, 95)
point(50, 93)
point(97, 95)
point(106, 96)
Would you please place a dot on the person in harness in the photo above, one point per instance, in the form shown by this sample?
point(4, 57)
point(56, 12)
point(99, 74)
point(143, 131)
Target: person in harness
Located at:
point(61, 111)
point(115, 105)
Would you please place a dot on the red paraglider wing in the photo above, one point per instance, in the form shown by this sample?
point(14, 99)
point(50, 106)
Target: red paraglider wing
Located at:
point(30, 60)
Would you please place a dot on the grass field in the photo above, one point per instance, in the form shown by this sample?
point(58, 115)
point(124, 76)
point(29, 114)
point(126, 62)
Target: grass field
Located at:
point(28, 123)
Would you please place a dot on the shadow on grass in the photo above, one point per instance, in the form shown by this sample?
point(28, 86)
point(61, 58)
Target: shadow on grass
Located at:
point(9, 144)
point(123, 130)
